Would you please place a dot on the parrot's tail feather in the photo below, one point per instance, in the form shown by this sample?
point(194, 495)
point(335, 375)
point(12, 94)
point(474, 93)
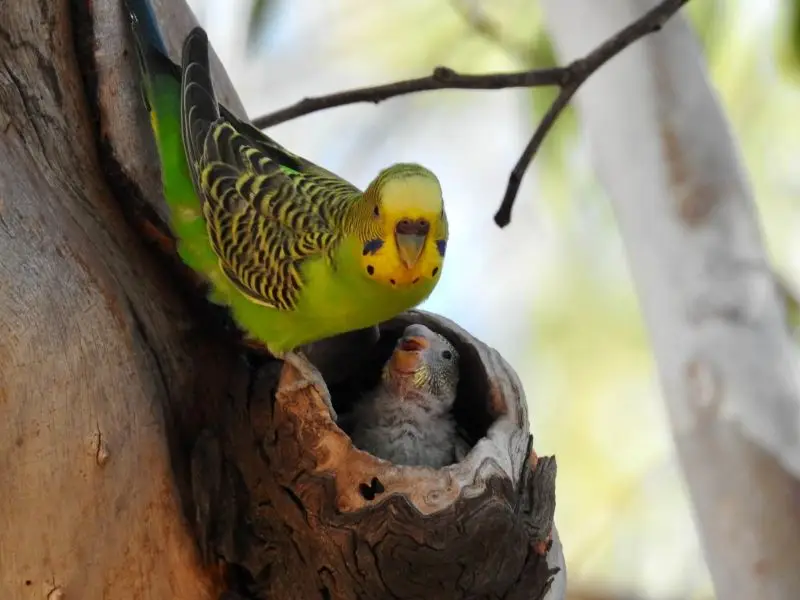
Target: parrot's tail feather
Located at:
point(199, 109)
point(149, 43)
point(145, 24)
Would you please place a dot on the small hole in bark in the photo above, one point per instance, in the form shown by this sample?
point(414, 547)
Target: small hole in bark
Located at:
point(366, 491)
point(239, 580)
point(374, 488)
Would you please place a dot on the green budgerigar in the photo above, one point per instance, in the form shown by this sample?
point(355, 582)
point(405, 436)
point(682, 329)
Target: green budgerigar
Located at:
point(296, 252)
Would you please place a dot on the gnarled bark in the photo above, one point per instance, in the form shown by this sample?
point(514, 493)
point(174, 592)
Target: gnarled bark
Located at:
point(144, 454)
point(289, 498)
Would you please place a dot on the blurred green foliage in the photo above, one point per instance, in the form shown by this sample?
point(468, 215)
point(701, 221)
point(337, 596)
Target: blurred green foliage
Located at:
point(259, 20)
point(788, 38)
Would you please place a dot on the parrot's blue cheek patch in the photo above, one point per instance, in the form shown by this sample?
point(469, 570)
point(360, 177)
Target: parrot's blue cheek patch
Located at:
point(441, 246)
point(372, 246)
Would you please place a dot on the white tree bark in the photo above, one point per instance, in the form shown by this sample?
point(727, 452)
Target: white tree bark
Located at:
point(728, 371)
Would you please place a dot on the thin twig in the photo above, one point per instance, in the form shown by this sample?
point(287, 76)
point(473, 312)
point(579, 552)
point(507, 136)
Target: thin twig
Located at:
point(579, 71)
point(568, 78)
point(442, 78)
point(503, 215)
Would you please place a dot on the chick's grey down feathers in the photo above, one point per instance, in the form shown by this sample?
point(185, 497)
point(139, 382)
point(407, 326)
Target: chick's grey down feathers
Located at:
point(407, 419)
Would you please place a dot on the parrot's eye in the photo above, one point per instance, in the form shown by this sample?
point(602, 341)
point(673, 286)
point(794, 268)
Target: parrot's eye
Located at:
point(447, 355)
point(376, 212)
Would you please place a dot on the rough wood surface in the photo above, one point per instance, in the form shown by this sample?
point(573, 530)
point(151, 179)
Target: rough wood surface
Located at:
point(97, 356)
point(285, 496)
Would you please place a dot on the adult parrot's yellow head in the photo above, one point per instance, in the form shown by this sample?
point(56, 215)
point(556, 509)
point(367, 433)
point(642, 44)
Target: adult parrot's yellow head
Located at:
point(407, 236)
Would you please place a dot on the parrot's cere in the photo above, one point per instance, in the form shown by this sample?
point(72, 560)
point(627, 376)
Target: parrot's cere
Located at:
point(408, 418)
point(297, 253)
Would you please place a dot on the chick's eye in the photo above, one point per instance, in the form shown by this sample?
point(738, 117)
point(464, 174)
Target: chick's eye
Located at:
point(447, 355)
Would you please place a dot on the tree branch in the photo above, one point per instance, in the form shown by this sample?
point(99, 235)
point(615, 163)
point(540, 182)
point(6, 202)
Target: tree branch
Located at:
point(442, 78)
point(568, 78)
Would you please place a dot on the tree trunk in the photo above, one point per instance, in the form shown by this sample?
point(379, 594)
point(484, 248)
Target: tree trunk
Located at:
point(728, 370)
point(145, 451)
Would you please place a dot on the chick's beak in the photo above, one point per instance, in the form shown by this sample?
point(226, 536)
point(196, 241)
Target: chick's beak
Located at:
point(407, 356)
point(413, 343)
point(410, 237)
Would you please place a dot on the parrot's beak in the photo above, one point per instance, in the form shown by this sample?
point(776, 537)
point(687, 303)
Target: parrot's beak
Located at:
point(410, 236)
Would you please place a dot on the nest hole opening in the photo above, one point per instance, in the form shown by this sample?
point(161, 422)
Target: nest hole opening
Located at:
point(472, 408)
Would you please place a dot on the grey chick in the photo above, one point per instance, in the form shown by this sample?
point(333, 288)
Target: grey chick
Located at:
point(407, 418)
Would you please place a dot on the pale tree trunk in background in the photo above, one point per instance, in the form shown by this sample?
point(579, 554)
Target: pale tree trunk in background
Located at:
point(728, 371)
